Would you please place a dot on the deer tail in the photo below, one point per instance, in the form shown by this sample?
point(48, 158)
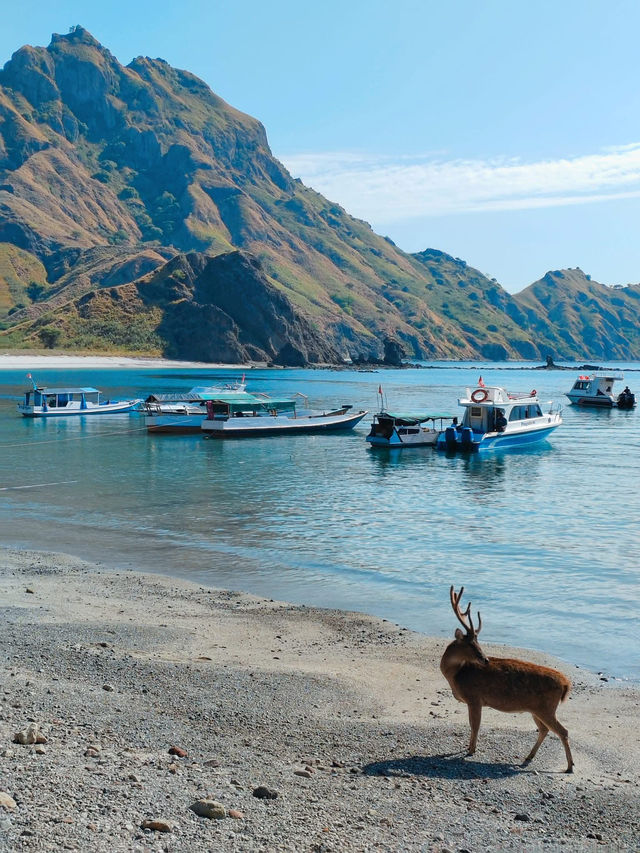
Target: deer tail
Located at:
point(566, 688)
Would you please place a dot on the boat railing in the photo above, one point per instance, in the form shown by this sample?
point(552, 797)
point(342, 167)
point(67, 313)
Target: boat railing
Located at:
point(521, 395)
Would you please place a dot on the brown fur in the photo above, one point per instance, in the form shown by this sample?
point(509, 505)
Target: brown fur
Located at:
point(506, 684)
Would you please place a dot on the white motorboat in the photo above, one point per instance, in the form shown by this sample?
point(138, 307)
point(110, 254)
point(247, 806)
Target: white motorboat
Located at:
point(40, 402)
point(495, 419)
point(596, 389)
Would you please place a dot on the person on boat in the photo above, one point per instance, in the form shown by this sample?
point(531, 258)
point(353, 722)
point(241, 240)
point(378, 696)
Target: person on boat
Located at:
point(500, 420)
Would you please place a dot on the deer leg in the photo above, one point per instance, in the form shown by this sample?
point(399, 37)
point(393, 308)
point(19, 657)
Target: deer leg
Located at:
point(542, 733)
point(552, 723)
point(475, 715)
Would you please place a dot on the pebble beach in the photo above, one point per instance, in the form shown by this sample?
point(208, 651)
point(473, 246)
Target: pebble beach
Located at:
point(143, 713)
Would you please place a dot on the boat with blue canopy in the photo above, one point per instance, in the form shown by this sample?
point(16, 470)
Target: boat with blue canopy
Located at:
point(497, 419)
point(41, 402)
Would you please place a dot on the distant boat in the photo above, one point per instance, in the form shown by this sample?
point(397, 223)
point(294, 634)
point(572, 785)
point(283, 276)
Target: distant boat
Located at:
point(596, 389)
point(495, 419)
point(184, 411)
point(252, 416)
point(42, 402)
point(390, 429)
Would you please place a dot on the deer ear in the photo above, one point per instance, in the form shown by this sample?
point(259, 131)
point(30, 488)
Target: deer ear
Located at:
point(459, 635)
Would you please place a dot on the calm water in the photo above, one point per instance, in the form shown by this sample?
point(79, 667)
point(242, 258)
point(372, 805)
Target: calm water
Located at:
point(545, 540)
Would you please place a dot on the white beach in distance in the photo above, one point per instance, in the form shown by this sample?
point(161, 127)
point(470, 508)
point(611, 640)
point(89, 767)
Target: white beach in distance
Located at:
point(73, 362)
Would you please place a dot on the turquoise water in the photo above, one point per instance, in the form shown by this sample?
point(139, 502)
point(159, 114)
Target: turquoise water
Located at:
point(545, 540)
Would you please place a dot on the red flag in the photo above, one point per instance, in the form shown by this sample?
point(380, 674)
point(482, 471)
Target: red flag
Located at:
point(28, 376)
point(480, 383)
point(380, 390)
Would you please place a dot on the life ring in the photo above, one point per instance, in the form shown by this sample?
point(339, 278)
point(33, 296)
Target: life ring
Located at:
point(533, 393)
point(479, 395)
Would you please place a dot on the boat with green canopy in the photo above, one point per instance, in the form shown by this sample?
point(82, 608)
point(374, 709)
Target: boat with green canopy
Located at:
point(244, 416)
point(406, 429)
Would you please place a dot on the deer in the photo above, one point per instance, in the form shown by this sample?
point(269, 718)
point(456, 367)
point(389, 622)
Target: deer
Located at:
point(505, 684)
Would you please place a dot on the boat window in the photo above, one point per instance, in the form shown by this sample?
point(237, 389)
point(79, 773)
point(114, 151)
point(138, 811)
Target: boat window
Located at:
point(476, 412)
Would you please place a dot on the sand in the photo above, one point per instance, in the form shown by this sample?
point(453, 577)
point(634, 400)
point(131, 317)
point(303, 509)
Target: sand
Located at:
point(346, 718)
point(9, 361)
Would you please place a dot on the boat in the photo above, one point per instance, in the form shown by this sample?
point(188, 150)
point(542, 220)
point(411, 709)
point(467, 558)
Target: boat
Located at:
point(184, 411)
point(248, 415)
point(391, 429)
point(40, 402)
point(596, 389)
point(495, 419)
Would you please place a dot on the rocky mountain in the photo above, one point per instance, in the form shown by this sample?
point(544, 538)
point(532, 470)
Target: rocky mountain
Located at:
point(120, 187)
point(573, 312)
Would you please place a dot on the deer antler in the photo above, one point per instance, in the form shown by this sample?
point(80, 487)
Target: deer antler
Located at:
point(464, 617)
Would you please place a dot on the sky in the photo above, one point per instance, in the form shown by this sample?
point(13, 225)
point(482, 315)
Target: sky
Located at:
point(504, 132)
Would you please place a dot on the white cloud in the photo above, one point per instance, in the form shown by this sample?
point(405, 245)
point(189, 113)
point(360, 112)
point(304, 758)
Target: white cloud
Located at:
point(388, 189)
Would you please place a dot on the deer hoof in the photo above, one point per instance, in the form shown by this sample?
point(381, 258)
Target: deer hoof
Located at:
point(569, 769)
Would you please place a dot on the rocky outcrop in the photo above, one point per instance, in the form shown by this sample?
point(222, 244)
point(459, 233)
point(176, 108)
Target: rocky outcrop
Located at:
point(196, 307)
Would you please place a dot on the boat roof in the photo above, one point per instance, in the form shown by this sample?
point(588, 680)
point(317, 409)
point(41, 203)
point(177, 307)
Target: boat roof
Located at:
point(245, 398)
point(417, 418)
point(195, 395)
point(602, 374)
point(66, 390)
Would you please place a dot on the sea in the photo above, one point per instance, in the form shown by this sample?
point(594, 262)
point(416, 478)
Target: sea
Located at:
point(545, 540)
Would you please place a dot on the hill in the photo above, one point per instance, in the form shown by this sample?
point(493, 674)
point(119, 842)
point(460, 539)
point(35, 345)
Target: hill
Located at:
point(108, 173)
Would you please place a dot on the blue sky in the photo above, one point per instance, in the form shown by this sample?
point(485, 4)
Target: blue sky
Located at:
point(503, 132)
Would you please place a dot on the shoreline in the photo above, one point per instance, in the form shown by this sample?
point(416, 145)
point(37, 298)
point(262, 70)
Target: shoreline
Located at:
point(15, 362)
point(345, 716)
point(10, 361)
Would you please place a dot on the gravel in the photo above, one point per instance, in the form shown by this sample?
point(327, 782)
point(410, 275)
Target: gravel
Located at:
point(172, 717)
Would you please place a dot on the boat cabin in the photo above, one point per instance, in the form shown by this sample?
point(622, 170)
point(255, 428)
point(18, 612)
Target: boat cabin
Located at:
point(243, 404)
point(492, 409)
point(59, 398)
point(596, 389)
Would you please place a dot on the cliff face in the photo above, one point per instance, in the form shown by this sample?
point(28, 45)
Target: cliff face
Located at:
point(107, 172)
point(194, 307)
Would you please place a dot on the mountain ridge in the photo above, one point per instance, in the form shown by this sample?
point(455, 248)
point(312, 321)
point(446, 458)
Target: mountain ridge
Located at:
point(110, 172)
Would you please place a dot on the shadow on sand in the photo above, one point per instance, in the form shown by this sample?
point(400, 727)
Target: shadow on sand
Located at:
point(447, 766)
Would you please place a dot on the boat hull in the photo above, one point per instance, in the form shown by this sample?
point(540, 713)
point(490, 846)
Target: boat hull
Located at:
point(174, 424)
point(428, 438)
point(495, 441)
point(254, 427)
point(76, 410)
point(595, 402)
